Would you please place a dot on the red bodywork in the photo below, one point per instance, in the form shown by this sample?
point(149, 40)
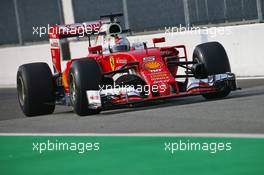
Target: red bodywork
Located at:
point(153, 72)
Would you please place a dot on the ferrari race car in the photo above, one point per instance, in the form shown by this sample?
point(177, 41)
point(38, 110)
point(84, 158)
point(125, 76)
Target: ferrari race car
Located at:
point(117, 72)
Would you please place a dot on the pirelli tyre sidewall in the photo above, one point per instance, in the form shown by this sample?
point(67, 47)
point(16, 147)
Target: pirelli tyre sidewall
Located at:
point(85, 74)
point(214, 59)
point(35, 89)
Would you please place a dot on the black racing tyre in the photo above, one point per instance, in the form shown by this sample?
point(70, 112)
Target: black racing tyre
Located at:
point(85, 74)
point(214, 60)
point(35, 89)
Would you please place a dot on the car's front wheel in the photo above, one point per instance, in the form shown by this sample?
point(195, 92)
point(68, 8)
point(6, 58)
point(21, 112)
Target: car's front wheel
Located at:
point(84, 75)
point(213, 59)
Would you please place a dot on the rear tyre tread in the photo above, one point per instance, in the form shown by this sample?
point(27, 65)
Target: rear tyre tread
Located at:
point(35, 87)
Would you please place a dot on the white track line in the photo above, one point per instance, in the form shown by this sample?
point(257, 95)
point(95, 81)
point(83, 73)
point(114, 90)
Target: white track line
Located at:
point(218, 135)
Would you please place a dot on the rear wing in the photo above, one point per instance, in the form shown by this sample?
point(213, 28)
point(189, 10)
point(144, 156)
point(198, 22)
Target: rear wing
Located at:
point(58, 32)
point(82, 29)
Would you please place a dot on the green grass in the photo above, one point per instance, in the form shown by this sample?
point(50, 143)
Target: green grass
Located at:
point(130, 156)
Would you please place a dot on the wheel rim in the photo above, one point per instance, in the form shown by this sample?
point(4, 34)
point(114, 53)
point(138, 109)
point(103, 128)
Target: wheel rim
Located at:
point(21, 91)
point(72, 89)
point(196, 59)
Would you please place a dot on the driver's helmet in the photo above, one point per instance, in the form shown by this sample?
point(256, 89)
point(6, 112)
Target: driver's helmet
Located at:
point(120, 44)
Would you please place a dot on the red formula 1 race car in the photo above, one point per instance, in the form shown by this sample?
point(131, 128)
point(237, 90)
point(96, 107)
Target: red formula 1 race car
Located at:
point(117, 72)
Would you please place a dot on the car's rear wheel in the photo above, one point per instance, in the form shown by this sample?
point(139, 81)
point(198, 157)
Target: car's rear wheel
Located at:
point(35, 88)
point(213, 60)
point(84, 74)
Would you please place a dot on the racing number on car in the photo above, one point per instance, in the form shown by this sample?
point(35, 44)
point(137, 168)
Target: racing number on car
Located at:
point(112, 63)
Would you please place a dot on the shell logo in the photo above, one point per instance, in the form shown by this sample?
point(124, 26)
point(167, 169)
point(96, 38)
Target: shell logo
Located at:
point(152, 65)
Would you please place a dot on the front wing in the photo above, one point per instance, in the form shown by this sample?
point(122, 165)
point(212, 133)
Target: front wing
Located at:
point(128, 95)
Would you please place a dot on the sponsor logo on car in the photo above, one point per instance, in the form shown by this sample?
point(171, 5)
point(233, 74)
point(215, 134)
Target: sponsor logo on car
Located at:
point(159, 75)
point(54, 43)
point(151, 58)
point(152, 65)
point(155, 70)
point(121, 61)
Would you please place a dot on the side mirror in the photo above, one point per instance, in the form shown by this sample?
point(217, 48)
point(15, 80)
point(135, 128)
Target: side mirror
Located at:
point(95, 49)
point(158, 40)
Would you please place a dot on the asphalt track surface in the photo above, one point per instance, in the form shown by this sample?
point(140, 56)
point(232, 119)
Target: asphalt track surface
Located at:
point(241, 112)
